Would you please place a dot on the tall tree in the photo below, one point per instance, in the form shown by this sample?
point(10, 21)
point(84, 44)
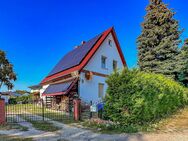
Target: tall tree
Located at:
point(183, 63)
point(7, 75)
point(159, 40)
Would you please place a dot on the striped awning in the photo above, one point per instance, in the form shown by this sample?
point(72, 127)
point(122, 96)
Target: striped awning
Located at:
point(59, 89)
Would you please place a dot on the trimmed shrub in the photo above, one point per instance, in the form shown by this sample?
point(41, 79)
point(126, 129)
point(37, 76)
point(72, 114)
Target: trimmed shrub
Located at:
point(137, 98)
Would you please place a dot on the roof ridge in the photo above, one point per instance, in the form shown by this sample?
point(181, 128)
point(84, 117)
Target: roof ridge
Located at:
point(77, 60)
point(87, 46)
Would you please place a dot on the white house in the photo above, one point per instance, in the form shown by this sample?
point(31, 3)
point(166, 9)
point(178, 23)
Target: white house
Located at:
point(4, 96)
point(82, 72)
point(9, 94)
point(35, 91)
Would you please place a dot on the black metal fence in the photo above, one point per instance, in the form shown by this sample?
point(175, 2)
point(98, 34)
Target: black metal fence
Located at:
point(87, 113)
point(39, 111)
point(45, 110)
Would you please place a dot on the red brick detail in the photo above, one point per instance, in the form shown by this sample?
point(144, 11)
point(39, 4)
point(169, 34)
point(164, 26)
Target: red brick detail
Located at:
point(2, 111)
point(77, 106)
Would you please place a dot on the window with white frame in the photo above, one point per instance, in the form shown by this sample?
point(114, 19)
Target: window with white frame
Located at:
point(103, 62)
point(101, 90)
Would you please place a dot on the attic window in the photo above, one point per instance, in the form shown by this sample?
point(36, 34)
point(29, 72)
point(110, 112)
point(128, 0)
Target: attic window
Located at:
point(103, 62)
point(110, 42)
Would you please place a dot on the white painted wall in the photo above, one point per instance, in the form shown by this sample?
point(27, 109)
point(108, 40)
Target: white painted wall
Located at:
point(6, 98)
point(35, 90)
point(110, 52)
point(89, 88)
point(42, 90)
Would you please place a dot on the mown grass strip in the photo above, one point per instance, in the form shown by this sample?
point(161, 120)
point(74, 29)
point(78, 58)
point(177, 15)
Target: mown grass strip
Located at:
point(13, 138)
point(42, 125)
point(11, 126)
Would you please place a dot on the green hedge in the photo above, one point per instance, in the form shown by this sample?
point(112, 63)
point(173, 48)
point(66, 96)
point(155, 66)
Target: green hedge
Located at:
point(135, 97)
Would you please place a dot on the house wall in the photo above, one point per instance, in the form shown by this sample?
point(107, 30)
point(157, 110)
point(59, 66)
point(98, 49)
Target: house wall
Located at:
point(35, 90)
point(89, 88)
point(6, 98)
point(42, 90)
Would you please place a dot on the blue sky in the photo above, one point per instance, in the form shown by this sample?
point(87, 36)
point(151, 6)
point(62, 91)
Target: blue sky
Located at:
point(36, 33)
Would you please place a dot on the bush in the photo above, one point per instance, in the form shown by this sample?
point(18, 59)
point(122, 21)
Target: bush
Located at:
point(24, 99)
point(12, 101)
point(138, 98)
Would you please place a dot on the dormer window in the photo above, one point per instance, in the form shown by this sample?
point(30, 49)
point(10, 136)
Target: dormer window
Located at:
point(103, 62)
point(110, 42)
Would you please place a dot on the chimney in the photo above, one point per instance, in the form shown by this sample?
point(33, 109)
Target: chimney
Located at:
point(83, 42)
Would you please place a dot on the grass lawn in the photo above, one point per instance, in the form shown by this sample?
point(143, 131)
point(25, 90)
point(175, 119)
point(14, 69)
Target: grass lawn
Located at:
point(8, 126)
point(13, 138)
point(44, 126)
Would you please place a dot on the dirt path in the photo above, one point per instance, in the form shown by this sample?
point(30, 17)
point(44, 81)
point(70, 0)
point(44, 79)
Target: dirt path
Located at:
point(71, 133)
point(77, 134)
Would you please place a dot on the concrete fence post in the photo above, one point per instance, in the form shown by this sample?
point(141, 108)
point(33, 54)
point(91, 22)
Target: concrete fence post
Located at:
point(77, 106)
point(2, 111)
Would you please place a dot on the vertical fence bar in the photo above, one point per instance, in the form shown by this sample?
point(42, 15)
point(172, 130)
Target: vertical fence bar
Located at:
point(6, 112)
point(91, 114)
point(42, 110)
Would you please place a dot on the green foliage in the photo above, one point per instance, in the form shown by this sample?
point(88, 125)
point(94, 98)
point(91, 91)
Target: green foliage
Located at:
point(110, 128)
point(7, 74)
point(138, 98)
point(182, 60)
point(20, 99)
point(159, 40)
point(21, 91)
point(12, 101)
point(24, 99)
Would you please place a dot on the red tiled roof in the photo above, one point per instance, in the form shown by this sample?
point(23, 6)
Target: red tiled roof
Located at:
point(79, 57)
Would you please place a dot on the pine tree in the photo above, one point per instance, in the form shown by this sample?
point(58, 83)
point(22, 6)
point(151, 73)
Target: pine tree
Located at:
point(159, 40)
point(183, 63)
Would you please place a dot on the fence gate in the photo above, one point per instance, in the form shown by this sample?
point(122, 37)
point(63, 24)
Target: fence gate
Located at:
point(89, 110)
point(39, 111)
